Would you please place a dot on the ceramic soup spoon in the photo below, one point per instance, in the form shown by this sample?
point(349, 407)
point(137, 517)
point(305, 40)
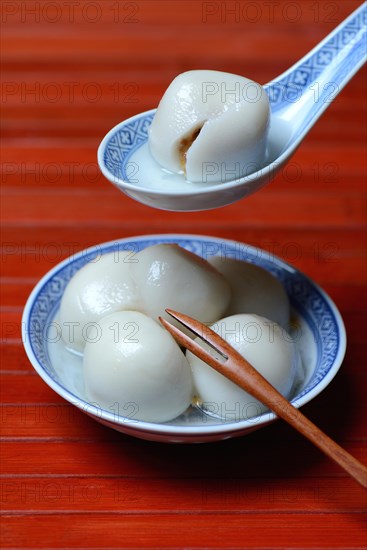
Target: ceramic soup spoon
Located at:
point(298, 98)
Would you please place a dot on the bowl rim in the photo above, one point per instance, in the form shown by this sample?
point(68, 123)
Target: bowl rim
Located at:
point(173, 429)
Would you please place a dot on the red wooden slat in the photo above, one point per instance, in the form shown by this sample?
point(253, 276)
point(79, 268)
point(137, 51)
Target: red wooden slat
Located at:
point(149, 496)
point(223, 531)
point(124, 455)
point(296, 209)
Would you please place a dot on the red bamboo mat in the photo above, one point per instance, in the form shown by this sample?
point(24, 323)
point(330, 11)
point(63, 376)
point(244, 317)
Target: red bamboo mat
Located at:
point(70, 71)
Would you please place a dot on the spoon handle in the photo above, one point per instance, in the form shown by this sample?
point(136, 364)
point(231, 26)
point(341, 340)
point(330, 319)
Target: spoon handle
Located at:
point(315, 80)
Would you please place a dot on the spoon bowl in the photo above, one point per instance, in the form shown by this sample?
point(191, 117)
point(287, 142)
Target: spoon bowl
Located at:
point(297, 98)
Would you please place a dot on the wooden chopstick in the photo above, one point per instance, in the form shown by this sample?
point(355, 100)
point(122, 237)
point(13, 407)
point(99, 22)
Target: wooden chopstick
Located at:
point(232, 365)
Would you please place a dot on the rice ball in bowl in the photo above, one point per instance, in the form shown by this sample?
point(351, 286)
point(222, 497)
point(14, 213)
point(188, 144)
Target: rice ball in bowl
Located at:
point(168, 275)
point(99, 288)
point(136, 364)
point(254, 290)
point(266, 346)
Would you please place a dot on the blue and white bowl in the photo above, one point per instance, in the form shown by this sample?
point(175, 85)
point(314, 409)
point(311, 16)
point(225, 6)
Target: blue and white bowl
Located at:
point(319, 333)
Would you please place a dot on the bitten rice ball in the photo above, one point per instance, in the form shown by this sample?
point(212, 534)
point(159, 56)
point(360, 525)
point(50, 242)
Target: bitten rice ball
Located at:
point(212, 126)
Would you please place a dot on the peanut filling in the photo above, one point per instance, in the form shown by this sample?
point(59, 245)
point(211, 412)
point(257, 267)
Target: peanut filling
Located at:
point(185, 145)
